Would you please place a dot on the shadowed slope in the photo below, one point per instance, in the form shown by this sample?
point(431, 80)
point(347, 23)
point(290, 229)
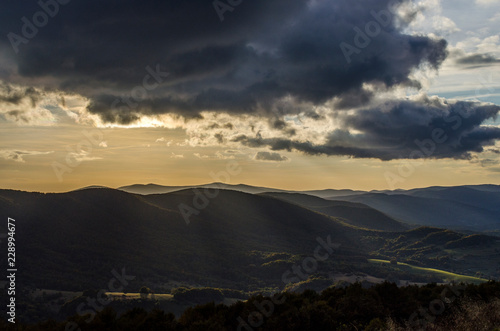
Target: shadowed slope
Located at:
point(356, 214)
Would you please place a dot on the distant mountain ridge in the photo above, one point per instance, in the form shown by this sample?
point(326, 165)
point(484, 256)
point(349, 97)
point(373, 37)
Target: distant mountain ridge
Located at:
point(152, 188)
point(146, 189)
point(474, 208)
point(467, 207)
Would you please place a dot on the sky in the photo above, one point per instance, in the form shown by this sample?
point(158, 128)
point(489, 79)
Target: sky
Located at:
point(295, 94)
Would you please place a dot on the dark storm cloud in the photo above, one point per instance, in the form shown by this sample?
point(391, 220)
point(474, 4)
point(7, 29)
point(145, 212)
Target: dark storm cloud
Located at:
point(12, 95)
point(264, 50)
point(282, 126)
point(403, 129)
point(354, 99)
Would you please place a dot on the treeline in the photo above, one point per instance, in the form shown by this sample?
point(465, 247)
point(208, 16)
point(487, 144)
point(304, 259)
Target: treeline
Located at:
point(381, 307)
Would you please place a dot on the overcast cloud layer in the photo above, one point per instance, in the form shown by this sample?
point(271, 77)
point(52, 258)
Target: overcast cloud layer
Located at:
point(316, 53)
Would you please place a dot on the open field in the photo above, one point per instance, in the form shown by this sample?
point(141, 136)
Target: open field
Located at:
point(447, 276)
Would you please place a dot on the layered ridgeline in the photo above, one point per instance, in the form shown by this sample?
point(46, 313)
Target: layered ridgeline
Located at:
point(475, 208)
point(235, 240)
point(356, 214)
point(468, 207)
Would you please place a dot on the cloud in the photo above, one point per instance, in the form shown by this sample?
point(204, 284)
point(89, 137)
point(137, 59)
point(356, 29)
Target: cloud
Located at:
point(83, 157)
point(426, 17)
point(444, 25)
point(486, 2)
point(274, 68)
point(489, 45)
point(176, 156)
point(13, 95)
point(18, 155)
point(213, 126)
point(270, 157)
point(426, 128)
point(164, 140)
point(30, 106)
point(263, 51)
point(486, 162)
point(495, 18)
point(201, 157)
point(233, 152)
point(477, 59)
point(220, 137)
point(217, 156)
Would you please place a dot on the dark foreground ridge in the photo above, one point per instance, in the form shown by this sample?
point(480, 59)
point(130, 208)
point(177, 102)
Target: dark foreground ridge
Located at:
point(381, 307)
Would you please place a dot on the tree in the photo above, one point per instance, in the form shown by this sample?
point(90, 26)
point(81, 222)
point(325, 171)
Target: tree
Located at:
point(144, 291)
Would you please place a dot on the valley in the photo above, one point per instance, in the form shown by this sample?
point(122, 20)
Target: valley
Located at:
point(239, 245)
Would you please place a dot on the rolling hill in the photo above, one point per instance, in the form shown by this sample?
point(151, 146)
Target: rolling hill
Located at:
point(234, 240)
point(428, 208)
point(73, 240)
point(356, 214)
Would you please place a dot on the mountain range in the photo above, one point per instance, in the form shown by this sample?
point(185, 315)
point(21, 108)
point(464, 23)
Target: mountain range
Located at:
point(462, 208)
point(247, 241)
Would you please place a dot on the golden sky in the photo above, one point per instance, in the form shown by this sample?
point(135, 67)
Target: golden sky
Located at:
point(120, 157)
